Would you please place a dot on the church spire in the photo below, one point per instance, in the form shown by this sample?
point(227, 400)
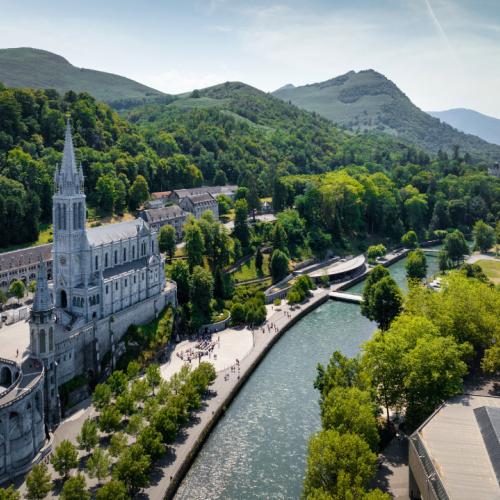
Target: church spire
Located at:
point(69, 177)
point(42, 300)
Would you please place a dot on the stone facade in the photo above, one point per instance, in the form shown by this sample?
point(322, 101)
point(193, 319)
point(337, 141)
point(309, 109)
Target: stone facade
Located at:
point(172, 215)
point(200, 203)
point(104, 280)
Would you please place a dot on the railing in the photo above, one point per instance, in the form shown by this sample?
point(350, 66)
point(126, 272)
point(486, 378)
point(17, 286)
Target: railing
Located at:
point(430, 470)
point(25, 390)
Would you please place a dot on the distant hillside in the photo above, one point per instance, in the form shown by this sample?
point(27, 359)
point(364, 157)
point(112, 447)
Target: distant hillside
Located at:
point(367, 100)
point(33, 68)
point(471, 122)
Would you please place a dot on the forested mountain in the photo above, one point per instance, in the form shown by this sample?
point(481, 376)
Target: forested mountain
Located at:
point(38, 69)
point(227, 133)
point(367, 100)
point(471, 122)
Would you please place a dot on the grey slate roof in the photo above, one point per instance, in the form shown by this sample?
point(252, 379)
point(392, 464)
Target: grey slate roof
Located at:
point(201, 198)
point(25, 257)
point(102, 235)
point(163, 213)
point(133, 265)
point(214, 190)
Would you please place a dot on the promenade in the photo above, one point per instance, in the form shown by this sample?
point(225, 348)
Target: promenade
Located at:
point(172, 468)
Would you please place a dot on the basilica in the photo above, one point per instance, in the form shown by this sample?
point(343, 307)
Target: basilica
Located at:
point(104, 279)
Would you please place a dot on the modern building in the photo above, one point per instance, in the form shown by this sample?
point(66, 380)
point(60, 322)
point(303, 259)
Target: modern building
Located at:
point(159, 217)
point(455, 453)
point(104, 279)
point(200, 203)
point(23, 264)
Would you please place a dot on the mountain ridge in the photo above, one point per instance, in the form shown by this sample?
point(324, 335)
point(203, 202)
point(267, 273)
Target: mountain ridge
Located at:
point(367, 100)
point(26, 67)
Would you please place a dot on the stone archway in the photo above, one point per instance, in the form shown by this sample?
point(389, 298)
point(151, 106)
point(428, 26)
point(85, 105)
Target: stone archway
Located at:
point(63, 299)
point(5, 376)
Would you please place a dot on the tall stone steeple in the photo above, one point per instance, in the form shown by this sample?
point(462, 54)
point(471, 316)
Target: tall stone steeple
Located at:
point(69, 176)
point(70, 249)
point(43, 343)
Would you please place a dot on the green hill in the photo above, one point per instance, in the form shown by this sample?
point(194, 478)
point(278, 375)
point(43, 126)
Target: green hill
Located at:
point(367, 100)
point(33, 68)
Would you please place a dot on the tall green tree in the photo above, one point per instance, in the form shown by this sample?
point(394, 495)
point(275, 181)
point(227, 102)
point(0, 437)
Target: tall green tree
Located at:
point(279, 265)
point(484, 236)
point(75, 488)
point(166, 240)
point(195, 243)
point(64, 458)
point(88, 437)
point(38, 482)
point(455, 247)
point(201, 290)
point(416, 265)
point(138, 193)
point(112, 490)
point(98, 465)
point(132, 468)
point(241, 230)
point(179, 272)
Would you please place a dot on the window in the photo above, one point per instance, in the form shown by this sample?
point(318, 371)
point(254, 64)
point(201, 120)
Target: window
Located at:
point(106, 260)
point(116, 257)
point(133, 252)
point(107, 289)
point(125, 281)
point(116, 285)
point(43, 345)
point(135, 280)
point(96, 262)
point(124, 255)
point(51, 339)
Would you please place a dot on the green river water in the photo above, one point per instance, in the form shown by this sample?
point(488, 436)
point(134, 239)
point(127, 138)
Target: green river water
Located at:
point(258, 449)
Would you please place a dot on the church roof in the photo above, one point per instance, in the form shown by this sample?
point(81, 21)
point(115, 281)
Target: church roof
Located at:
point(110, 233)
point(42, 301)
point(69, 177)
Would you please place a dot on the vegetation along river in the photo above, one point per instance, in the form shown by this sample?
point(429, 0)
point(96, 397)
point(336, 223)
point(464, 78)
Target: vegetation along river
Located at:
point(258, 450)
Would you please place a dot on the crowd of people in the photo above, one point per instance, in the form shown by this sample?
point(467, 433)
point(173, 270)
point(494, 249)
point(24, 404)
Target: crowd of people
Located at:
point(203, 347)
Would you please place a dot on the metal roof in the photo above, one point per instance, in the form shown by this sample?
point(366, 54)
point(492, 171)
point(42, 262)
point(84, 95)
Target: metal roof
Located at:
point(110, 233)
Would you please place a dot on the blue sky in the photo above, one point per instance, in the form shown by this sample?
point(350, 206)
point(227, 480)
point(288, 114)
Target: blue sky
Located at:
point(442, 53)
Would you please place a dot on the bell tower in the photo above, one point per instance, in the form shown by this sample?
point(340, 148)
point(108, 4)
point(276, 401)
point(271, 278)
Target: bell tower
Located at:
point(70, 248)
point(42, 343)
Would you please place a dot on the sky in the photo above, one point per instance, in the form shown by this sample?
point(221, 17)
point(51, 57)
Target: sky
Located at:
point(442, 53)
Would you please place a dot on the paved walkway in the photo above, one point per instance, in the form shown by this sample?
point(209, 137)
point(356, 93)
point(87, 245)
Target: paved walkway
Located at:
point(481, 256)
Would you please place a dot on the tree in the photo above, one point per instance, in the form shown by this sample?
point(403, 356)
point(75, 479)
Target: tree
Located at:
point(38, 482)
point(153, 375)
point(105, 193)
point(75, 488)
point(132, 468)
point(455, 247)
point(278, 265)
point(416, 265)
point(133, 369)
point(238, 313)
point(112, 490)
point(17, 289)
point(179, 272)
point(117, 382)
point(434, 370)
point(109, 419)
point(117, 444)
point(64, 458)
point(101, 396)
point(259, 260)
point(255, 312)
point(138, 193)
point(386, 302)
point(165, 421)
point(9, 493)
point(88, 436)
point(195, 243)
point(484, 236)
point(220, 178)
point(440, 216)
point(377, 273)
point(349, 409)
point(98, 465)
point(338, 462)
point(241, 230)
point(279, 238)
point(201, 289)
point(225, 204)
point(32, 286)
point(151, 441)
point(167, 239)
point(125, 403)
point(375, 251)
point(410, 239)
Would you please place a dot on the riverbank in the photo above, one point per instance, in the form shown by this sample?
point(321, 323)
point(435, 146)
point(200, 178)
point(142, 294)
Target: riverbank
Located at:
point(226, 387)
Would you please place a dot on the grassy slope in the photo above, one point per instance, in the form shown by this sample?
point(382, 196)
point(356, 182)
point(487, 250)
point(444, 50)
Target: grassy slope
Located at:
point(366, 100)
point(33, 68)
point(492, 269)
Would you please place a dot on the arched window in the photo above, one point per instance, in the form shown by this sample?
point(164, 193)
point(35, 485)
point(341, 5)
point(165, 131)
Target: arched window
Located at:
point(116, 257)
point(51, 339)
point(64, 217)
point(75, 216)
point(133, 252)
point(96, 262)
point(63, 299)
point(124, 255)
point(43, 345)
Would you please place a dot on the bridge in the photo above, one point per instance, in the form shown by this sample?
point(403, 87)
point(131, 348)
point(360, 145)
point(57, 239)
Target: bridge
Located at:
point(431, 251)
point(353, 298)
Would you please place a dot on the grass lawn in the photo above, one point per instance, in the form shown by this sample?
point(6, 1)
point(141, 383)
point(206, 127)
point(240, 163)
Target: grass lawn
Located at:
point(247, 271)
point(492, 269)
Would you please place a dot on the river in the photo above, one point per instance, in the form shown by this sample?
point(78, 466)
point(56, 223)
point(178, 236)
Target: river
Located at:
point(259, 448)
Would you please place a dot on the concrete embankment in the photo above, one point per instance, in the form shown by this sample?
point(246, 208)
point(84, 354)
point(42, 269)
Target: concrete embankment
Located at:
point(187, 449)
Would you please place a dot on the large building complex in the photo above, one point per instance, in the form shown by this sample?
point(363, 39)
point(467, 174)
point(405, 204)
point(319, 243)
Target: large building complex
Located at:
point(103, 280)
point(455, 453)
